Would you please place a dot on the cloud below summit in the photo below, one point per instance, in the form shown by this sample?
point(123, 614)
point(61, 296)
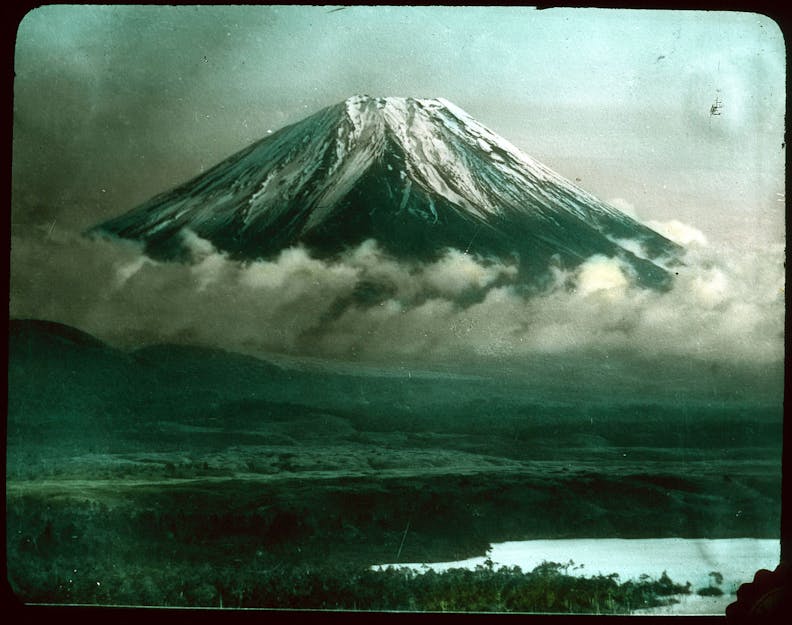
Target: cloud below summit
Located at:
point(684, 234)
point(365, 305)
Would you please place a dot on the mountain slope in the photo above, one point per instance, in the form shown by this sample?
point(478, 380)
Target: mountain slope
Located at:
point(417, 175)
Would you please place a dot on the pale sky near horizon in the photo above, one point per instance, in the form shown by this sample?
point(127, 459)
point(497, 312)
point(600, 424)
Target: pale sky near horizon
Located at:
point(115, 104)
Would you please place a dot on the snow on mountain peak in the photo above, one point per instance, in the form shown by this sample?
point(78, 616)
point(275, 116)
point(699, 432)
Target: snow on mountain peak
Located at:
point(417, 174)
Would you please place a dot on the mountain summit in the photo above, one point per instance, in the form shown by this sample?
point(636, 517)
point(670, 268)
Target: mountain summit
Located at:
point(417, 175)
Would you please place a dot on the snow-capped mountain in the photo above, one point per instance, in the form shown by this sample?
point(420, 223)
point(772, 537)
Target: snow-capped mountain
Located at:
point(417, 175)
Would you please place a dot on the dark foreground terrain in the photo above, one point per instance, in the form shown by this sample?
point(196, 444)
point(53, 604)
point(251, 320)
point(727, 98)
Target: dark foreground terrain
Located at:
point(186, 476)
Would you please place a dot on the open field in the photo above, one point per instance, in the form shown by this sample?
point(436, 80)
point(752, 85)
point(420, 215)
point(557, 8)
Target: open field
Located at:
point(194, 477)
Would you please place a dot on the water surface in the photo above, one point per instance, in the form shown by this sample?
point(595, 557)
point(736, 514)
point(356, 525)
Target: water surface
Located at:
point(682, 559)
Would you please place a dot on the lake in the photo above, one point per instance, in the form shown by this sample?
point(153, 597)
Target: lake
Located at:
point(683, 559)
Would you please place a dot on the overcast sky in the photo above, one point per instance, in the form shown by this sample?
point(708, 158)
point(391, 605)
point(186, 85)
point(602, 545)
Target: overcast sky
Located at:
point(114, 104)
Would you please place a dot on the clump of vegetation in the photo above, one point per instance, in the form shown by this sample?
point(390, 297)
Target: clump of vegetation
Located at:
point(548, 588)
point(709, 591)
point(279, 548)
point(713, 590)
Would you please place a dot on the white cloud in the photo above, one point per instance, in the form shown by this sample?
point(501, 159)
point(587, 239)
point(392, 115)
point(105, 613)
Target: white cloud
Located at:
point(457, 272)
point(722, 306)
point(199, 248)
point(293, 270)
point(600, 273)
point(633, 246)
point(125, 271)
point(684, 234)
